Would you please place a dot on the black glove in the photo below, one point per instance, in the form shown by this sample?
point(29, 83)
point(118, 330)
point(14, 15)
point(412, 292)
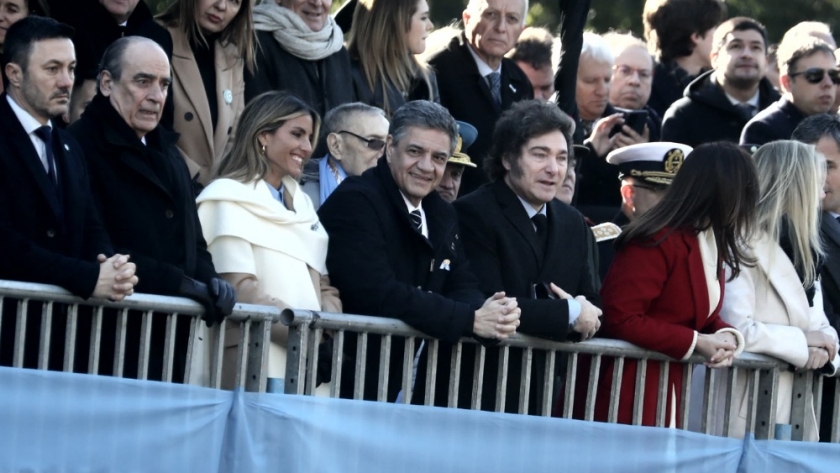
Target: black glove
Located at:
point(218, 298)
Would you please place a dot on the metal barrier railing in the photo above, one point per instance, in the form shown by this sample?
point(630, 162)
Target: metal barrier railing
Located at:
point(84, 319)
point(761, 372)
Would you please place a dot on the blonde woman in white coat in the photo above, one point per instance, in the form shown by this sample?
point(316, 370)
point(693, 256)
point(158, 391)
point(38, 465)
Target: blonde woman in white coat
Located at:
point(777, 304)
point(260, 227)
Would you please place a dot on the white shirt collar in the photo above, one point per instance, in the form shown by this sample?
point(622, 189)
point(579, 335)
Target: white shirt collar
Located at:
point(29, 123)
point(424, 228)
point(483, 67)
point(752, 101)
point(411, 208)
point(530, 208)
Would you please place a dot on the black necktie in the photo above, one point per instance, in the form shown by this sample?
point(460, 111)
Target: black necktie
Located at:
point(45, 133)
point(541, 223)
point(746, 110)
point(416, 219)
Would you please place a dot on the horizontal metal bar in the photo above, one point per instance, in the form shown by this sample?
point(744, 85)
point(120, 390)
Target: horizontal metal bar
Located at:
point(597, 346)
point(140, 302)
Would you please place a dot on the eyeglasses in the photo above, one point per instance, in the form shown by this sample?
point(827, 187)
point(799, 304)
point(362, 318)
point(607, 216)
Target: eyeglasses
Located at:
point(815, 75)
point(372, 143)
point(627, 71)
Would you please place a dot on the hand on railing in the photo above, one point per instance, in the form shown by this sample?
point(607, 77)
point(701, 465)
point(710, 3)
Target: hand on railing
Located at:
point(218, 297)
point(498, 318)
point(718, 349)
point(820, 339)
point(116, 278)
point(588, 322)
point(817, 358)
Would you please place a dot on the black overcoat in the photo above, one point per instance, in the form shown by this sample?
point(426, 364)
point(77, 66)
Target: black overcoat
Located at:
point(467, 96)
point(776, 122)
point(382, 266)
point(505, 255)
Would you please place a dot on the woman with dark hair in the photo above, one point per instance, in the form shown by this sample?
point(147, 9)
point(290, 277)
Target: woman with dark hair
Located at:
point(386, 36)
point(665, 287)
point(12, 11)
point(777, 304)
point(260, 227)
point(213, 43)
point(302, 52)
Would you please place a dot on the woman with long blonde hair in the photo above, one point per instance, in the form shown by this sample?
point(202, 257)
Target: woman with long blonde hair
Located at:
point(260, 227)
point(776, 304)
point(386, 36)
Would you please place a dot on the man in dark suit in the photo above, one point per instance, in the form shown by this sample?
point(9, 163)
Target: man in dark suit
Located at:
point(50, 231)
point(141, 184)
point(808, 78)
point(725, 99)
point(395, 251)
point(522, 241)
point(823, 131)
point(476, 82)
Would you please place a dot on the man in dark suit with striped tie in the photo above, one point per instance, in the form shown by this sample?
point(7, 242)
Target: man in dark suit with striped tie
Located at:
point(50, 231)
point(395, 251)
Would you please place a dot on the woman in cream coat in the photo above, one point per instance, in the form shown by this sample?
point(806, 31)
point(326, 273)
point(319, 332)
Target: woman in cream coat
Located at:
point(777, 304)
point(260, 227)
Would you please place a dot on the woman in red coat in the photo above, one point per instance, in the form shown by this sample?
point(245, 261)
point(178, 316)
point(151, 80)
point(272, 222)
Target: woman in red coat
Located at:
point(664, 289)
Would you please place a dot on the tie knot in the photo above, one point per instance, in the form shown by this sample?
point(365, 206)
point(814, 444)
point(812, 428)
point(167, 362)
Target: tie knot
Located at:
point(45, 133)
point(540, 222)
point(416, 219)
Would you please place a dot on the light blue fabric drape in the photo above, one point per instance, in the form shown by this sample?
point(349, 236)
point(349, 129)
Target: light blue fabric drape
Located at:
point(68, 422)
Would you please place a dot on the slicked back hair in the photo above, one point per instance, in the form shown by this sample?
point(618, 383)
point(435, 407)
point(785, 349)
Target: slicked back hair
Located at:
point(24, 33)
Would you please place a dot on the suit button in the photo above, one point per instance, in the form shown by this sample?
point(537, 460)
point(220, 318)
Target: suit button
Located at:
point(188, 116)
point(230, 130)
point(50, 233)
point(169, 214)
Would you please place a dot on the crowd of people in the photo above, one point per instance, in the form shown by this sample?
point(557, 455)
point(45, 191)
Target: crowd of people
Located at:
point(474, 182)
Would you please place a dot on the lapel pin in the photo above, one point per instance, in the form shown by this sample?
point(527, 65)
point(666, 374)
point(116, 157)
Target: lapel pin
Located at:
point(66, 147)
point(512, 88)
point(228, 95)
point(445, 265)
point(314, 227)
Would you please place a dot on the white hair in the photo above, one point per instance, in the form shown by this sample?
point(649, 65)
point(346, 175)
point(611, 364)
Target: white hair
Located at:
point(474, 6)
point(595, 47)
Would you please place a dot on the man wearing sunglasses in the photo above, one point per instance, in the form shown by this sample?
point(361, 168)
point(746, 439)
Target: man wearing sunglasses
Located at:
point(725, 99)
point(355, 136)
point(808, 78)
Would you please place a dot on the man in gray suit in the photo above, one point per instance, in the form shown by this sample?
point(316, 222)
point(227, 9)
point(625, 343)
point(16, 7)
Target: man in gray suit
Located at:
point(823, 131)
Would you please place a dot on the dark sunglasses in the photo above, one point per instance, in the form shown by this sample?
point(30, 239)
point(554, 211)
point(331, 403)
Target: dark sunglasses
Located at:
point(815, 75)
point(373, 143)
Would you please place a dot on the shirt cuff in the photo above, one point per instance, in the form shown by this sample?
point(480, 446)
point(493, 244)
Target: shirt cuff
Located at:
point(739, 339)
point(691, 348)
point(574, 311)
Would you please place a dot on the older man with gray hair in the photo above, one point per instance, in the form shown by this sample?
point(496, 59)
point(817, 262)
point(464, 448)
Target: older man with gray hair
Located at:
point(395, 251)
point(475, 79)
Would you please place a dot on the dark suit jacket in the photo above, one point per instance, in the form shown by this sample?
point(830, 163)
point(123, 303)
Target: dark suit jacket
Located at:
point(775, 122)
point(830, 280)
point(45, 237)
point(505, 255)
point(467, 96)
point(42, 240)
point(383, 266)
point(145, 198)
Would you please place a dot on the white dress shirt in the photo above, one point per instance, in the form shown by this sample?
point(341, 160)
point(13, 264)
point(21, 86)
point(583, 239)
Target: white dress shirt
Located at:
point(424, 229)
point(30, 124)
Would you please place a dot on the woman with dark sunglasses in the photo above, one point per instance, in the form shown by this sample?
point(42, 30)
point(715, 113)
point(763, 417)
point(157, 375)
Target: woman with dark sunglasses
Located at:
point(355, 136)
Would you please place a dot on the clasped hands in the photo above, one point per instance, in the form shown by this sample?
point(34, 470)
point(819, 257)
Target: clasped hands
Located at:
point(116, 277)
point(821, 349)
point(717, 348)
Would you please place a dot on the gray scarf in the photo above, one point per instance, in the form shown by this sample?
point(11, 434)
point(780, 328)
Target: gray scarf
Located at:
point(294, 35)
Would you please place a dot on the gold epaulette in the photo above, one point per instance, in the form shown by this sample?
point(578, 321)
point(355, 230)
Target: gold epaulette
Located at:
point(606, 231)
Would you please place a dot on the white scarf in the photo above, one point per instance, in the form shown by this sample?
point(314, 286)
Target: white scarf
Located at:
point(294, 35)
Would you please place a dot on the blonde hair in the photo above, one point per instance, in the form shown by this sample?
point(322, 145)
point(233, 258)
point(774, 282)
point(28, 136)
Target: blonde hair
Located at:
point(791, 175)
point(378, 41)
point(240, 32)
point(265, 113)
